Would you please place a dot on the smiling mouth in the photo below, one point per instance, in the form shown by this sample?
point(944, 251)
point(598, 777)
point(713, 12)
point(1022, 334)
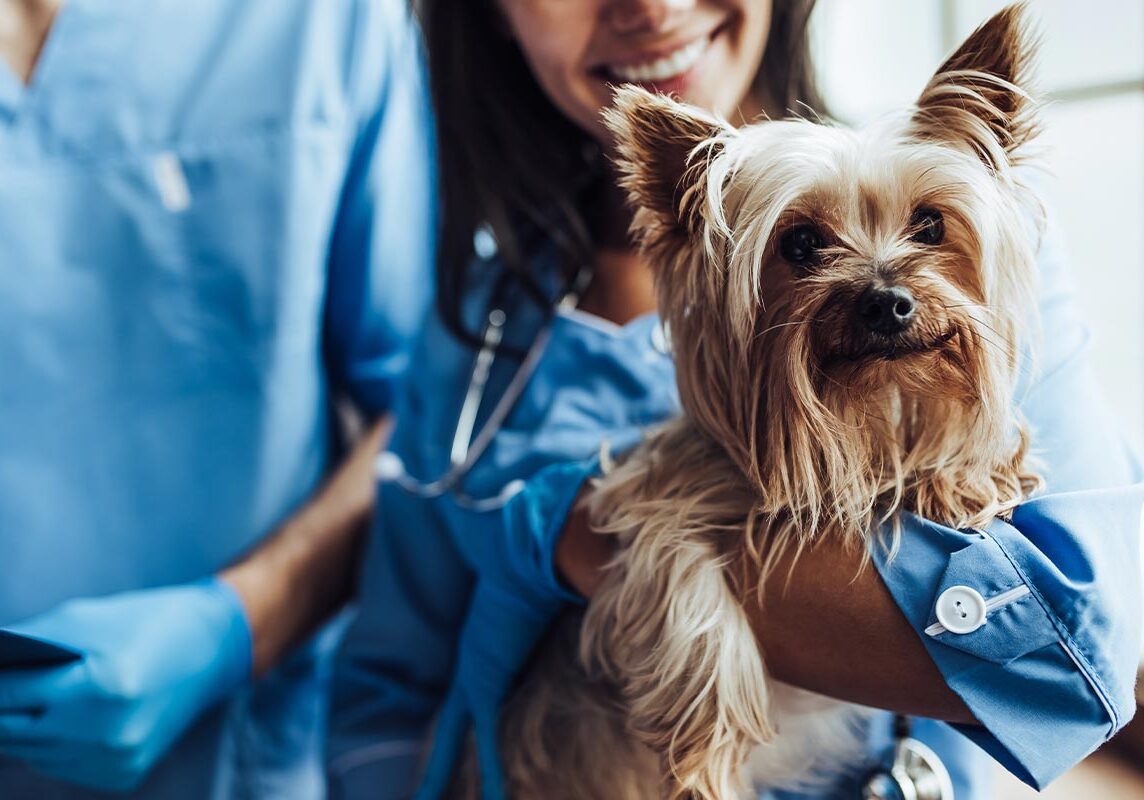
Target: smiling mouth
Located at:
point(672, 65)
point(891, 351)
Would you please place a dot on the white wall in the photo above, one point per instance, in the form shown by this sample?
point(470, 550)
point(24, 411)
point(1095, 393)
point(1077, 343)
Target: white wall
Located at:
point(875, 55)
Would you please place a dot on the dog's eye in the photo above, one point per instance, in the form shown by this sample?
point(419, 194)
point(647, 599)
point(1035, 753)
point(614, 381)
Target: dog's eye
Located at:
point(800, 245)
point(927, 225)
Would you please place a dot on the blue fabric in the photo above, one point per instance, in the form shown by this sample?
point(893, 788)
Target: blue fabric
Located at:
point(151, 661)
point(398, 657)
point(215, 217)
point(1049, 675)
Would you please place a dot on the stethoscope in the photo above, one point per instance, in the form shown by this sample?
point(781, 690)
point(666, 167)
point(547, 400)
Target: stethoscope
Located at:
point(914, 771)
point(466, 447)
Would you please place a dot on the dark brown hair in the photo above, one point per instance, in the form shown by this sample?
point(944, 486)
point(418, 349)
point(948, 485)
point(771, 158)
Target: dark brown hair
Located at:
point(510, 160)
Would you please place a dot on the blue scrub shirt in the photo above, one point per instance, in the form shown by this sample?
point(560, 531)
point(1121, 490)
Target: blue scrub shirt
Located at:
point(215, 216)
point(1049, 674)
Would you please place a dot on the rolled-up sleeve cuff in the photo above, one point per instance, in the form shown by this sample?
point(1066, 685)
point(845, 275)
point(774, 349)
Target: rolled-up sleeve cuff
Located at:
point(1000, 647)
point(535, 517)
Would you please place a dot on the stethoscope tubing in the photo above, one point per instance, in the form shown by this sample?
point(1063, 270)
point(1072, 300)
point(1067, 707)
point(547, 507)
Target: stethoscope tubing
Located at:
point(466, 449)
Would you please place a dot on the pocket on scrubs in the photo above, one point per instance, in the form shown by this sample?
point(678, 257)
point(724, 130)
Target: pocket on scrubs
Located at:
point(244, 265)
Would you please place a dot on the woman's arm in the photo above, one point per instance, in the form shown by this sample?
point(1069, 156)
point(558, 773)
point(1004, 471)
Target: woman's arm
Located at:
point(305, 571)
point(806, 626)
point(379, 282)
point(1057, 661)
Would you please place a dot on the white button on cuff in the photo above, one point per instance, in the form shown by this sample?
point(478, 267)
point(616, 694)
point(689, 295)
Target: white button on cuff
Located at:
point(960, 609)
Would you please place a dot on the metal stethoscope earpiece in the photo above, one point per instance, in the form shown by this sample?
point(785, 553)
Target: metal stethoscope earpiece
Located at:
point(915, 772)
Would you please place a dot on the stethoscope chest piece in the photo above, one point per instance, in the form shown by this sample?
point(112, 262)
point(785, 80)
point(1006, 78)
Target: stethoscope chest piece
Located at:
point(915, 774)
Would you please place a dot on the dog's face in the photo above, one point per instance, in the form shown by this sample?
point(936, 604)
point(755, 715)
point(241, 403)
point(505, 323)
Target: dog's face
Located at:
point(846, 306)
point(865, 261)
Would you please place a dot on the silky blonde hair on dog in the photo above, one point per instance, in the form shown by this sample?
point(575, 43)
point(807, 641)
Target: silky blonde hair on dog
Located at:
point(801, 421)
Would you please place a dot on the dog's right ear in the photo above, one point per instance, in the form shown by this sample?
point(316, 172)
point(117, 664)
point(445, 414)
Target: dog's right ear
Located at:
point(980, 96)
point(661, 157)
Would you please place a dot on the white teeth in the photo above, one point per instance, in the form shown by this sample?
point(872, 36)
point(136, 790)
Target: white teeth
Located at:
point(664, 68)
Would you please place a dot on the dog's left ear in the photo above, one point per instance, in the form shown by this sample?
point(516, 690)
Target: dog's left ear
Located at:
point(660, 157)
point(980, 97)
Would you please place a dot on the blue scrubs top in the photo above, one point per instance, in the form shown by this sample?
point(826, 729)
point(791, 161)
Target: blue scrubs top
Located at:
point(1049, 674)
point(215, 216)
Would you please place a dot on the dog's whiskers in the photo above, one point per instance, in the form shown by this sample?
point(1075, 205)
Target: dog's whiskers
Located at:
point(844, 420)
point(778, 325)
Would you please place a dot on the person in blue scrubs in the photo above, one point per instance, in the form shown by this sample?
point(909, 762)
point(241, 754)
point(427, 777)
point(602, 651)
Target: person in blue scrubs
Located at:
point(216, 224)
point(466, 565)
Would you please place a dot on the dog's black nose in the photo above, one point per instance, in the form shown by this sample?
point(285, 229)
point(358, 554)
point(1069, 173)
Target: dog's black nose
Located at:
point(886, 310)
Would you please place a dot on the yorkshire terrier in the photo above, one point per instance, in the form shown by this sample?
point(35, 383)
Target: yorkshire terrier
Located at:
point(848, 312)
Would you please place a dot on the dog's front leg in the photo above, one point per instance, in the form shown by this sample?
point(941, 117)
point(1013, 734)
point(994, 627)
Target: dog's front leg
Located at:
point(667, 629)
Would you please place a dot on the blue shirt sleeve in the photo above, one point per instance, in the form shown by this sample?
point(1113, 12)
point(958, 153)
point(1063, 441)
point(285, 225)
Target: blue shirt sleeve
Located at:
point(534, 519)
point(1050, 673)
point(382, 247)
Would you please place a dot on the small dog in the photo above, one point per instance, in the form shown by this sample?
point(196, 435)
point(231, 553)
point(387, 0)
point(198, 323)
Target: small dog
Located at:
point(847, 311)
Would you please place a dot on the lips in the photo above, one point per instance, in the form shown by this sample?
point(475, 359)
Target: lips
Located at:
point(892, 351)
point(671, 65)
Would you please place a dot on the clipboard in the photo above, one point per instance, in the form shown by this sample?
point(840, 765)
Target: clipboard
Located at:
point(19, 651)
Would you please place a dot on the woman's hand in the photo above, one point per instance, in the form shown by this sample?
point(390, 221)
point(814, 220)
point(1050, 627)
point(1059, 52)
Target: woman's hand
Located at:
point(152, 661)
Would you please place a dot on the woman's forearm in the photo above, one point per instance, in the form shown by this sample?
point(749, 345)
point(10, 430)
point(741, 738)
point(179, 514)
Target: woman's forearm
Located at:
point(838, 632)
point(826, 629)
point(294, 581)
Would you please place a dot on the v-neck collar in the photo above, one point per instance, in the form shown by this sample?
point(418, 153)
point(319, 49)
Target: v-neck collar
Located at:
point(13, 91)
point(80, 56)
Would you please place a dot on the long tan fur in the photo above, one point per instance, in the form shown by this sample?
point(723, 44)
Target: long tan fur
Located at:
point(793, 428)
